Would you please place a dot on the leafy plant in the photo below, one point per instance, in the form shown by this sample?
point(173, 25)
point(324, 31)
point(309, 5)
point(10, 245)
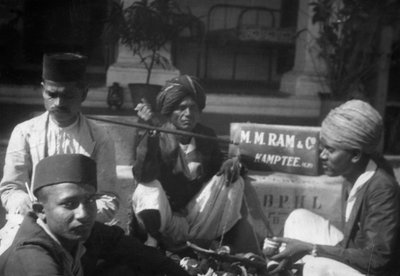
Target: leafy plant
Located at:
point(349, 39)
point(146, 26)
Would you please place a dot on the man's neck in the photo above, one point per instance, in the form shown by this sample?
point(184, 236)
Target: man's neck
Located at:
point(64, 123)
point(357, 170)
point(184, 140)
point(68, 245)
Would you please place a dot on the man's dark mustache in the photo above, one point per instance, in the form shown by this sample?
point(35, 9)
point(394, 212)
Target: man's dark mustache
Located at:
point(59, 109)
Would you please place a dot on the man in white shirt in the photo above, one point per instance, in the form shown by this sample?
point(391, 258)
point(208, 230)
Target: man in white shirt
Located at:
point(62, 129)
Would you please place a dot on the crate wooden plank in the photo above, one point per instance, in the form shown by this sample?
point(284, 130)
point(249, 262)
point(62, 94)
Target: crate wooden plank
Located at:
point(278, 148)
point(277, 194)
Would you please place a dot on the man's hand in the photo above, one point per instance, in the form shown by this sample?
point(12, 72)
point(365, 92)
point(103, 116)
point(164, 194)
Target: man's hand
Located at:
point(144, 111)
point(293, 251)
point(231, 169)
point(107, 207)
point(283, 265)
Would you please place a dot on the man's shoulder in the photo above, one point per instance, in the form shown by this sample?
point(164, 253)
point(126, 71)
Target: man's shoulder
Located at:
point(383, 180)
point(30, 258)
point(385, 174)
point(30, 243)
point(31, 232)
point(103, 236)
point(98, 131)
point(100, 229)
point(33, 123)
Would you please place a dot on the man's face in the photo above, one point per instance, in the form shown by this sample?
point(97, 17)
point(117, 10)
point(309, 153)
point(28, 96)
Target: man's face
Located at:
point(70, 211)
point(335, 162)
point(63, 101)
point(186, 115)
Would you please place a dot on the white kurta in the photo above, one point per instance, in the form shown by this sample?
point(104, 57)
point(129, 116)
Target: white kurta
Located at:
point(39, 137)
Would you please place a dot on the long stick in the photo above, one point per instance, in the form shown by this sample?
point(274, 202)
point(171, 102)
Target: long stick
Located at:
point(172, 131)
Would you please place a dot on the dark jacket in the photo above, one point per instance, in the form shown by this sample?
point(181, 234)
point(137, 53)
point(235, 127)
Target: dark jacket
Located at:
point(157, 156)
point(33, 252)
point(371, 235)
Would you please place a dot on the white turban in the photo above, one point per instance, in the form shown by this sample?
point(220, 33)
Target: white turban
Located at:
point(353, 125)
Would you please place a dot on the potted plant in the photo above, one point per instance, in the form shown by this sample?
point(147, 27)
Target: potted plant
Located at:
point(146, 27)
point(348, 42)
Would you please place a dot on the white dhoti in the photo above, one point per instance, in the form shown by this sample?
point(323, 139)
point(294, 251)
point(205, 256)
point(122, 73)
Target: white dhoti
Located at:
point(307, 226)
point(327, 267)
point(210, 213)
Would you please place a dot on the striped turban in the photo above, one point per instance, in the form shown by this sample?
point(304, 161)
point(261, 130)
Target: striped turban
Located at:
point(353, 125)
point(175, 90)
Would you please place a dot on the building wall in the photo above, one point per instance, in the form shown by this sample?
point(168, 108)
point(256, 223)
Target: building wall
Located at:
point(251, 65)
point(189, 57)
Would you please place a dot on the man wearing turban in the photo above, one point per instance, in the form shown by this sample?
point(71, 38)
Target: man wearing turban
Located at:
point(369, 243)
point(185, 191)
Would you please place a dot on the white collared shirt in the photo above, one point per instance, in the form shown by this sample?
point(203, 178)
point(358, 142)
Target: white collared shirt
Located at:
point(193, 169)
point(66, 140)
point(361, 180)
point(188, 147)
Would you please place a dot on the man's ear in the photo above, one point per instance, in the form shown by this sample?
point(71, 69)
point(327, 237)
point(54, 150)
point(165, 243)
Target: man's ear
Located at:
point(38, 208)
point(357, 154)
point(43, 90)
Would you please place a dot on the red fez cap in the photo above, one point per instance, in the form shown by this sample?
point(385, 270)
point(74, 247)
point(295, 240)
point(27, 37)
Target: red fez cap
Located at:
point(64, 67)
point(65, 168)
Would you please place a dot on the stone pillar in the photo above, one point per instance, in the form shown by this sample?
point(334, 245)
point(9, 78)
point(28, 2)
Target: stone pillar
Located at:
point(129, 69)
point(306, 77)
point(379, 97)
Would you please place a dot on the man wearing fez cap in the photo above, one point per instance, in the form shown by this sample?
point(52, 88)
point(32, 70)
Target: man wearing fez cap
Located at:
point(61, 236)
point(62, 129)
point(369, 243)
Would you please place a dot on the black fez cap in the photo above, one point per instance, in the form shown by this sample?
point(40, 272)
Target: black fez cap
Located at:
point(64, 67)
point(65, 168)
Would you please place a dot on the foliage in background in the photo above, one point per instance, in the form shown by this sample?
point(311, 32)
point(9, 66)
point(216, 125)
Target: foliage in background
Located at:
point(146, 26)
point(349, 40)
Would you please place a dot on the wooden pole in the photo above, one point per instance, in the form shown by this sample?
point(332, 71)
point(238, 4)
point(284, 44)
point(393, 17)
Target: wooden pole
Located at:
point(382, 81)
point(160, 129)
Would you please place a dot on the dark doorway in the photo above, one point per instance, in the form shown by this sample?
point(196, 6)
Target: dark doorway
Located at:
point(392, 112)
point(63, 25)
point(48, 26)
